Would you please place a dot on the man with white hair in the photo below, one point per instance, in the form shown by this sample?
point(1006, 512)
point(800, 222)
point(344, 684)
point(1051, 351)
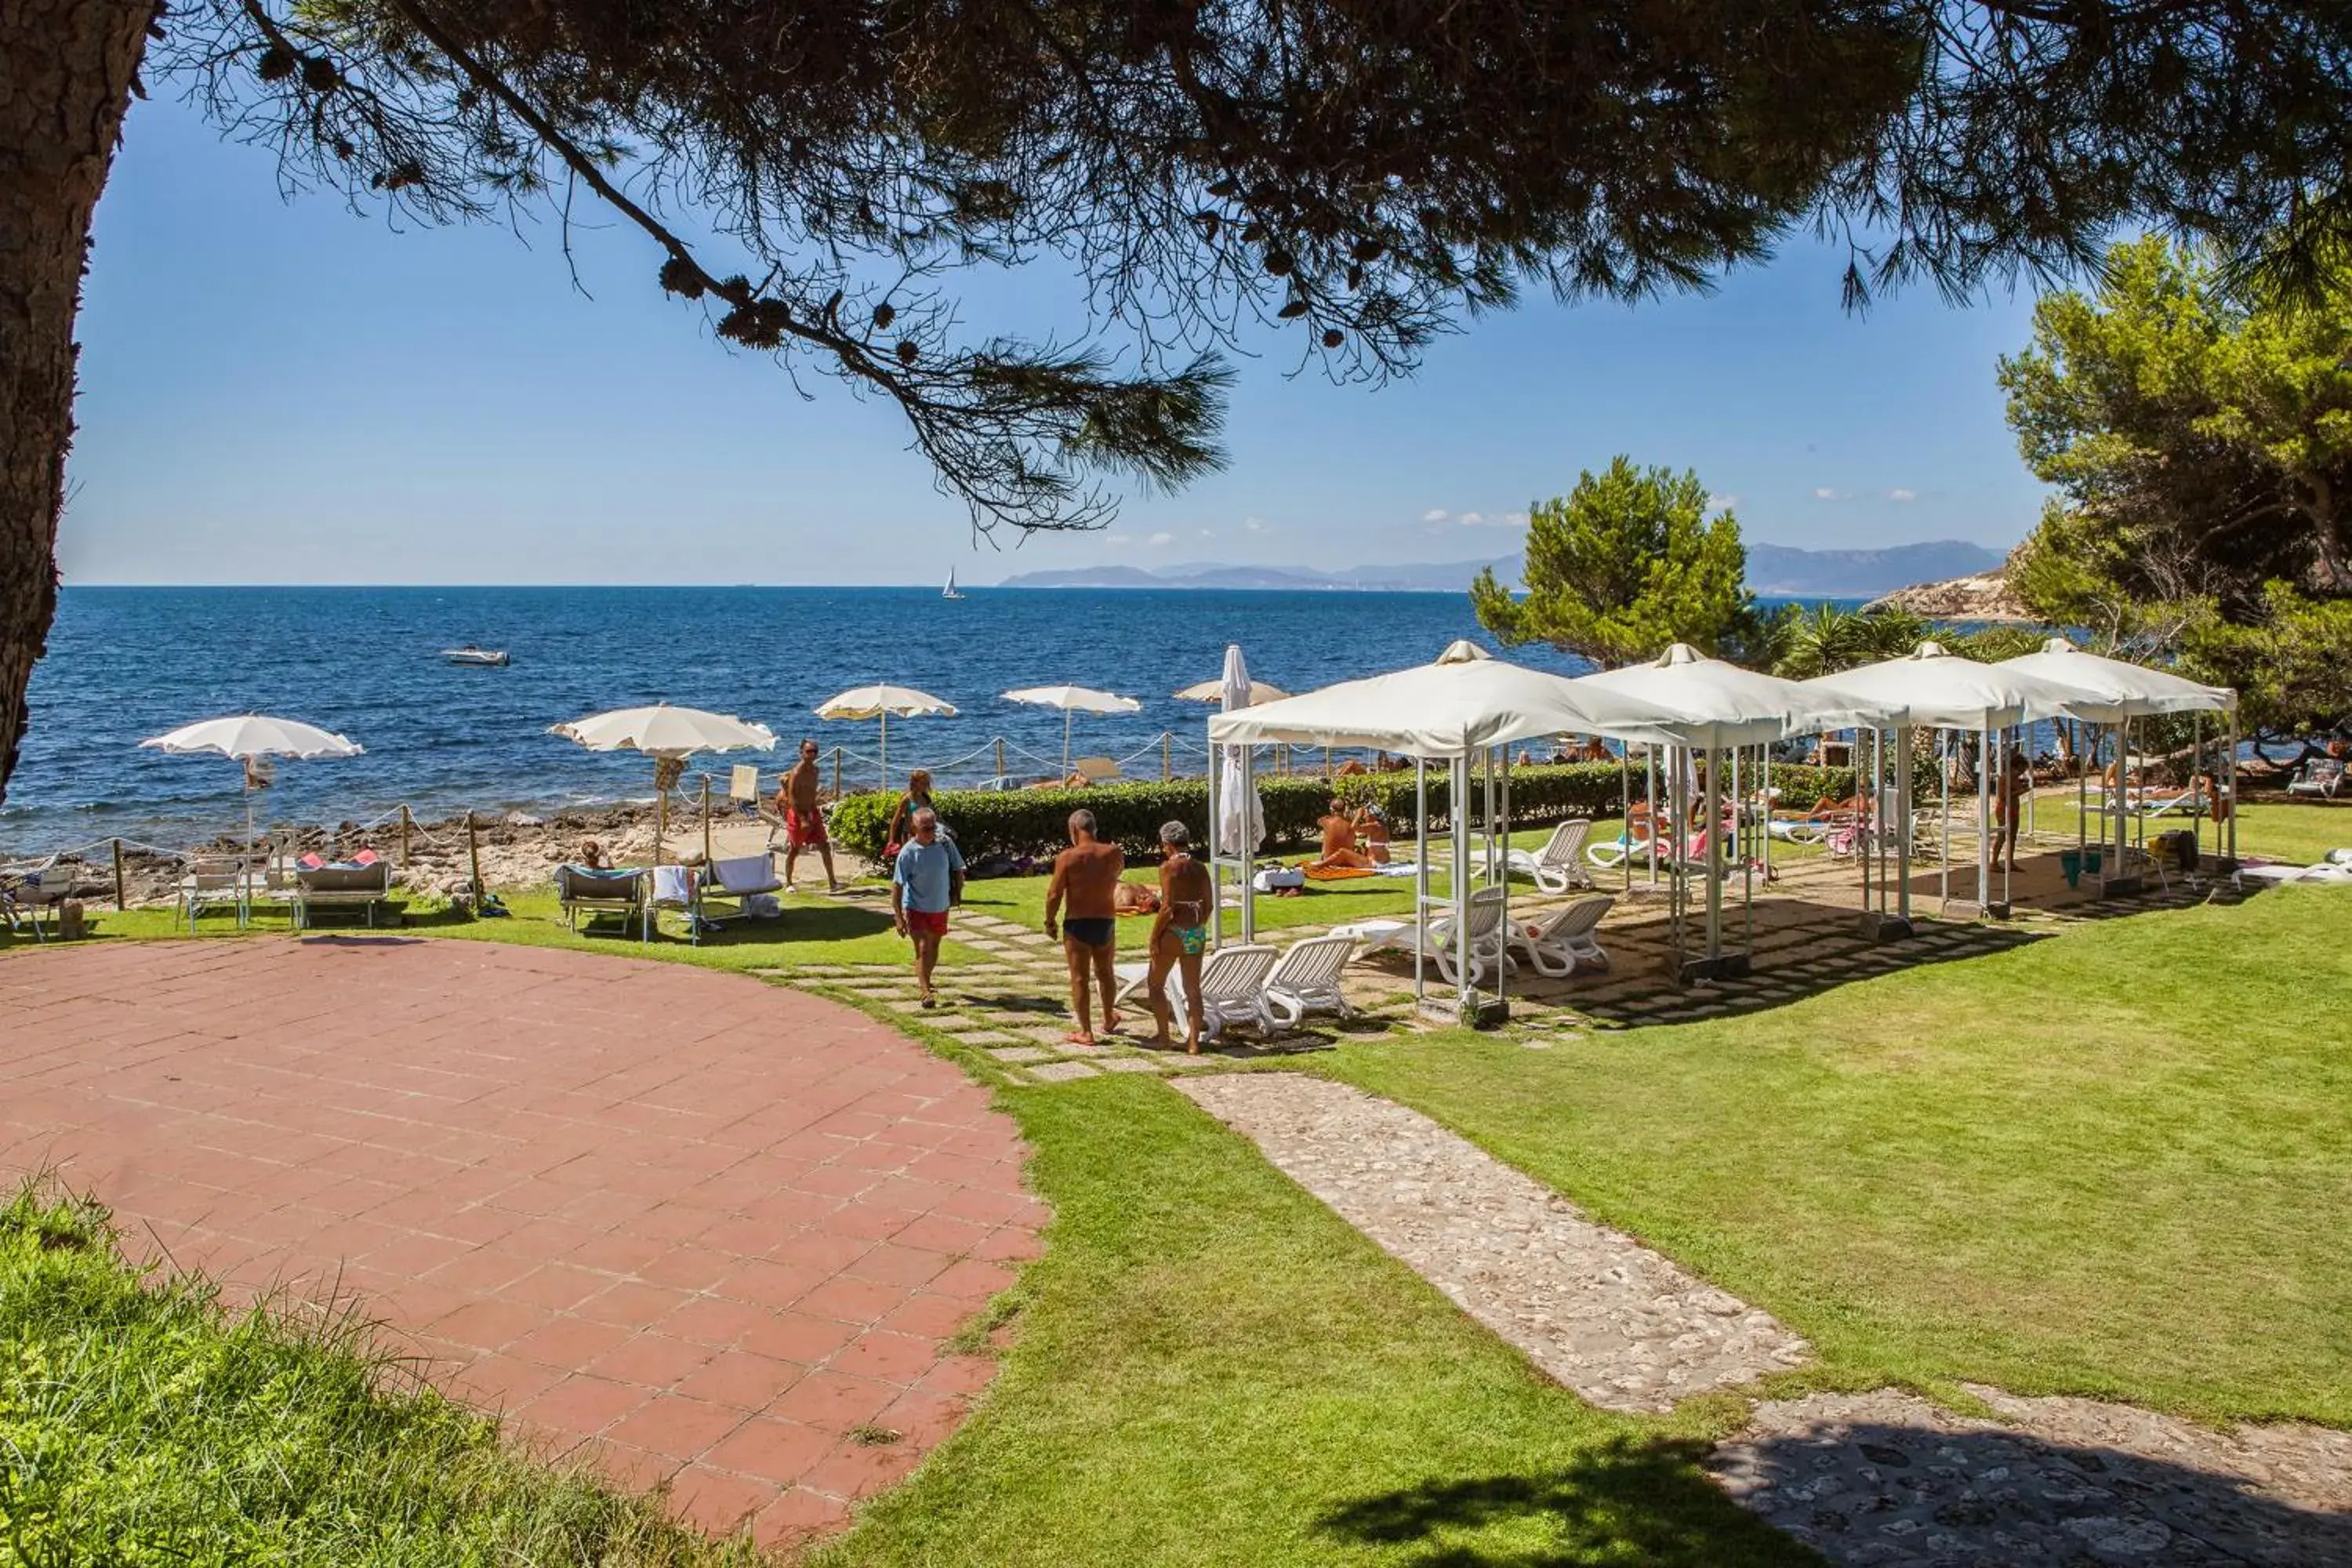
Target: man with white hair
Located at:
point(926, 881)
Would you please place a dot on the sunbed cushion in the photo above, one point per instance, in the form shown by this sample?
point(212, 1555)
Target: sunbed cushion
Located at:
point(579, 882)
point(343, 877)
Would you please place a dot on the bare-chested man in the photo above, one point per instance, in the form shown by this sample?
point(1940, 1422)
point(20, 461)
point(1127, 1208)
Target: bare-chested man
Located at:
point(1180, 937)
point(796, 802)
point(1086, 878)
point(1339, 851)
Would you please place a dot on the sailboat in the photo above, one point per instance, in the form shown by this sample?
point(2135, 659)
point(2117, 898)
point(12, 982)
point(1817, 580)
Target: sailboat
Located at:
point(950, 591)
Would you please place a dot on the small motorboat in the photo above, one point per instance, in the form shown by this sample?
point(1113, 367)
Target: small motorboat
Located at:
point(469, 654)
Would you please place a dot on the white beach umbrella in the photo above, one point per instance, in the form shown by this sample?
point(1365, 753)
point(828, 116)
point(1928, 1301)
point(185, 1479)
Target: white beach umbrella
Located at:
point(250, 736)
point(1241, 818)
point(1073, 699)
point(662, 730)
point(1219, 690)
point(885, 702)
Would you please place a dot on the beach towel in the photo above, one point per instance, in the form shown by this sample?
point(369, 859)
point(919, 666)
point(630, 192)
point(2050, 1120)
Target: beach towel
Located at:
point(1336, 873)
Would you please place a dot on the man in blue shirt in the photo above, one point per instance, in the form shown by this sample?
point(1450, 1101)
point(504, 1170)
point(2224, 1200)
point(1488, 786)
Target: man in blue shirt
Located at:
point(925, 883)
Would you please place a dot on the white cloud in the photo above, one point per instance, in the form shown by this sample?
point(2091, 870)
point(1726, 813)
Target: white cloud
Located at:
point(1253, 525)
point(1902, 495)
point(1823, 492)
point(1117, 539)
point(1721, 500)
point(1470, 519)
point(1435, 514)
point(1207, 533)
point(1157, 540)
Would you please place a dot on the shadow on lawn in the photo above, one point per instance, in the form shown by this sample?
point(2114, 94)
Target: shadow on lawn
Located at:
point(1866, 1492)
point(1995, 1494)
point(1629, 1499)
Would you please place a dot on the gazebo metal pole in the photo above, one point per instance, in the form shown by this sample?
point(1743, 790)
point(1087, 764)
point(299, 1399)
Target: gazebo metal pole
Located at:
point(1461, 804)
point(1499, 840)
point(1747, 860)
point(1650, 759)
point(1419, 876)
point(1903, 740)
point(2230, 783)
point(1984, 818)
point(1713, 807)
point(1216, 855)
point(1249, 845)
point(1625, 805)
point(2009, 862)
point(1943, 865)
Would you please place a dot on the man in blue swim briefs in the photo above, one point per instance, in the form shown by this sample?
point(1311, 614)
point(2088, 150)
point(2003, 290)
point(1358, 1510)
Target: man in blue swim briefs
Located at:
point(1086, 877)
point(1188, 902)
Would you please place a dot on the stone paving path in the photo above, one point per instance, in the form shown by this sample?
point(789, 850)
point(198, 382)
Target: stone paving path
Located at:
point(1615, 1321)
point(1888, 1478)
point(711, 1230)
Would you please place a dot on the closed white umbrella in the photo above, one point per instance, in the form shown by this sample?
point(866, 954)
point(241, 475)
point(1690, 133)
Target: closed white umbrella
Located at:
point(249, 736)
point(1241, 817)
point(885, 702)
point(1073, 699)
point(662, 730)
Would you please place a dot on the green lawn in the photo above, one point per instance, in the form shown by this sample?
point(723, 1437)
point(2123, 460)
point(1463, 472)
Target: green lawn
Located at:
point(1209, 1367)
point(141, 1422)
point(2113, 1162)
point(2299, 833)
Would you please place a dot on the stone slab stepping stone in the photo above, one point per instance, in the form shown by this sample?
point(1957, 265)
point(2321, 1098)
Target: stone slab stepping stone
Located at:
point(1022, 1054)
point(1131, 1063)
point(1061, 1072)
point(1622, 1326)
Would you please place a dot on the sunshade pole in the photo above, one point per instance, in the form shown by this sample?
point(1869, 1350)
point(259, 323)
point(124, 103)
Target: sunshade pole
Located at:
point(1249, 843)
point(1984, 823)
point(1944, 744)
point(1067, 716)
point(1650, 761)
point(2230, 762)
point(1747, 860)
point(2009, 860)
point(1904, 742)
point(1461, 793)
point(886, 752)
point(1216, 850)
point(1419, 876)
point(1714, 808)
point(1625, 808)
point(1500, 854)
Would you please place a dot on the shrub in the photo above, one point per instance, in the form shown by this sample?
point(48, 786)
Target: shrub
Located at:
point(1034, 823)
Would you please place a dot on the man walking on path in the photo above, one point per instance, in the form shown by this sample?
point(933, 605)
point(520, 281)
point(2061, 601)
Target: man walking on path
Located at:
point(796, 798)
point(1086, 876)
point(926, 882)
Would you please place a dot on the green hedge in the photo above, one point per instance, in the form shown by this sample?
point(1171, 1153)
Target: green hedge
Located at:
point(1034, 823)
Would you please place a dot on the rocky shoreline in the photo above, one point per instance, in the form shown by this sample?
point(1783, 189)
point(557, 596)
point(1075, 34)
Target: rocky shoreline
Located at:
point(517, 849)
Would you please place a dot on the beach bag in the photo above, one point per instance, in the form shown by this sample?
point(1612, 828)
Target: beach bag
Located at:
point(763, 906)
point(1277, 878)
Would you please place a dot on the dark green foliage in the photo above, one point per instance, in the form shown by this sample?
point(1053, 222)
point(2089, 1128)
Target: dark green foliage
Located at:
point(142, 1422)
point(1623, 564)
point(1034, 823)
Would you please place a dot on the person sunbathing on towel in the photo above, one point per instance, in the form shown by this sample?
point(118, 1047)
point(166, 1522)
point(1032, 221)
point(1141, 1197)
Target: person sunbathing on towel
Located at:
point(1372, 833)
point(1339, 851)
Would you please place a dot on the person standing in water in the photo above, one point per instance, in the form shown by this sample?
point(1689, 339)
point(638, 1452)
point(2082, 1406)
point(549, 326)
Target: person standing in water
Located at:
point(1180, 937)
point(1086, 877)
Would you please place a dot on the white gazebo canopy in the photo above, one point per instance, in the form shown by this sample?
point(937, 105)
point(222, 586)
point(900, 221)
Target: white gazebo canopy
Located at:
point(1940, 689)
point(2134, 688)
point(1467, 701)
point(1735, 706)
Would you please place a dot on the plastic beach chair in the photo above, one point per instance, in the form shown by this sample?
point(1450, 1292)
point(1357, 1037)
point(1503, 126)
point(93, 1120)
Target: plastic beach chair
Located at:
point(1486, 935)
point(28, 893)
point(1232, 988)
point(1559, 865)
point(1561, 941)
point(582, 892)
point(1305, 979)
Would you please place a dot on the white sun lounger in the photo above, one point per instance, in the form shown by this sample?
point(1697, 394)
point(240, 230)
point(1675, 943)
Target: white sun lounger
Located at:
point(1307, 979)
point(1561, 941)
point(1232, 988)
point(1559, 865)
point(1486, 937)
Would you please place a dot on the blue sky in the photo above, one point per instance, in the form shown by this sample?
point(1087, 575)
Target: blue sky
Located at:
point(286, 393)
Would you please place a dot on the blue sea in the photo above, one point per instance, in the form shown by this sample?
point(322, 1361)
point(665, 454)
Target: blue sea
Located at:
point(126, 663)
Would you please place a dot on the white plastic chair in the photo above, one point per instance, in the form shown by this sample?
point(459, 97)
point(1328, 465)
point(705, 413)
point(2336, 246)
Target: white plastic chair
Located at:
point(1232, 988)
point(1559, 865)
point(1307, 979)
point(1561, 941)
point(46, 888)
point(1486, 936)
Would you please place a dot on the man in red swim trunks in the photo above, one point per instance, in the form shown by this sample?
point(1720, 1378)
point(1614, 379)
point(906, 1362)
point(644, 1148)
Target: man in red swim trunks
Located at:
point(803, 819)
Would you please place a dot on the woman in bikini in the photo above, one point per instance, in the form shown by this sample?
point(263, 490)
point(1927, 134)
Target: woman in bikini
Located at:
point(1180, 937)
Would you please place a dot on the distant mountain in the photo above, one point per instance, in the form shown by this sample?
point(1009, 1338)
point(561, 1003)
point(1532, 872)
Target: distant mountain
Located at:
point(1773, 570)
point(1778, 571)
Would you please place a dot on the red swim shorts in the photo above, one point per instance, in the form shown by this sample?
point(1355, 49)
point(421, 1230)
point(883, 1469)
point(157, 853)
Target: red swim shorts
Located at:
point(928, 923)
point(804, 829)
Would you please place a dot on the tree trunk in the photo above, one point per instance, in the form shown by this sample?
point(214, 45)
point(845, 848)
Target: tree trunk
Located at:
point(66, 71)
